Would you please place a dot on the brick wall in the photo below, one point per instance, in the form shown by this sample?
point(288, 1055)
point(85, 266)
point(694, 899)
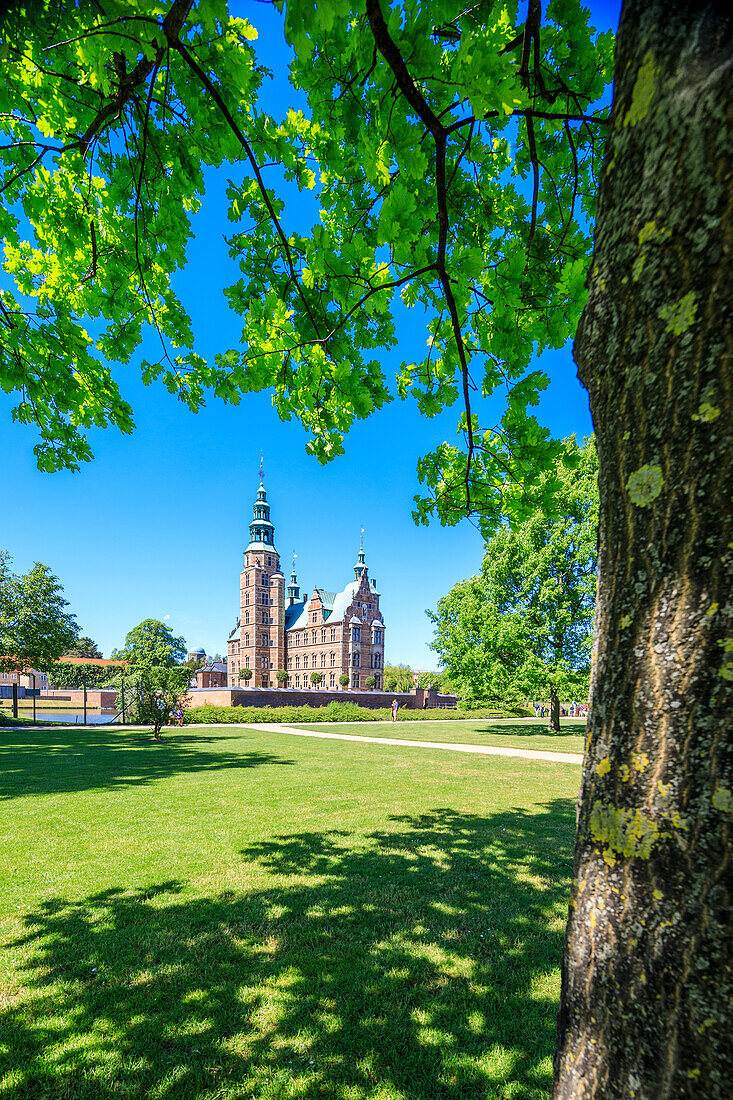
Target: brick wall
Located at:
point(290, 697)
point(105, 699)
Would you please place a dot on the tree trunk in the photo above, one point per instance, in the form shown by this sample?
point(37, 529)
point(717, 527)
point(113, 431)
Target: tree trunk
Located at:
point(553, 724)
point(647, 984)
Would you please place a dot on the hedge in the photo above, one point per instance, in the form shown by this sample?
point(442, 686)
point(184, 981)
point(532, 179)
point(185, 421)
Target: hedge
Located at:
point(338, 712)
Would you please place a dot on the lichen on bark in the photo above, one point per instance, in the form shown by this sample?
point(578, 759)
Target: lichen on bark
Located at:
point(647, 970)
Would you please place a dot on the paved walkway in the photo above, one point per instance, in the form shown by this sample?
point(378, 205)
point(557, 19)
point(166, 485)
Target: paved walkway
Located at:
point(482, 750)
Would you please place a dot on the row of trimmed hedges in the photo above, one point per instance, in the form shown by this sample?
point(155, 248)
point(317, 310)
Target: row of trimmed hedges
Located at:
point(337, 712)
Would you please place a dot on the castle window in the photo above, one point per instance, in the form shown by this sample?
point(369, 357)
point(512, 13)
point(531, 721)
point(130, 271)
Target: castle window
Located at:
point(378, 681)
point(356, 633)
point(323, 660)
point(323, 636)
point(313, 638)
point(264, 639)
point(305, 660)
point(263, 598)
point(297, 662)
point(314, 617)
point(332, 679)
point(246, 620)
point(333, 633)
point(246, 640)
point(356, 659)
point(269, 562)
point(356, 681)
point(265, 580)
point(246, 597)
point(332, 658)
point(297, 681)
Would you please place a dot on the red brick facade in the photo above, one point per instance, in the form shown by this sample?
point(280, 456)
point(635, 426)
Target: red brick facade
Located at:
point(330, 634)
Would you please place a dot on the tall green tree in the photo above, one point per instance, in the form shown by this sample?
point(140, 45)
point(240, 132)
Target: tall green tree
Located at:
point(152, 643)
point(523, 626)
point(84, 647)
point(397, 677)
point(153, 693)
point(35, 626)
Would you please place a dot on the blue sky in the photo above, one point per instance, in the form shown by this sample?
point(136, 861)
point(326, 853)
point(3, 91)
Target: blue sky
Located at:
point(155, 526)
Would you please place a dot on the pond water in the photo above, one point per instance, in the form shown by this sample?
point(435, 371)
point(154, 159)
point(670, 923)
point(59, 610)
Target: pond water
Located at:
point(69, 717)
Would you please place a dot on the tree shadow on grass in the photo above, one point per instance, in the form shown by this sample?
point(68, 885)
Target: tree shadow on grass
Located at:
point(53, 761)
point(539, 728)
point(419, 963)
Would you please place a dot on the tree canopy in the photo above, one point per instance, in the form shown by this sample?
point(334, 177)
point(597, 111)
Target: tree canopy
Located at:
point(523, 626)
point(35, 626)
point(84, 647)
point(152, 643)
point(454, 156)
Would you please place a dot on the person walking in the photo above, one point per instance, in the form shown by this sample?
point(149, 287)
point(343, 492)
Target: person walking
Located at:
point(395, 708)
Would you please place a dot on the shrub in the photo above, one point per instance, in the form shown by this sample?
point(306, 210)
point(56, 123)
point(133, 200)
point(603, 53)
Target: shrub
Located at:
point(332, 712)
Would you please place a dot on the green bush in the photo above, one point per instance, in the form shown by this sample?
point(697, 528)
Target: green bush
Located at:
point(336, 712)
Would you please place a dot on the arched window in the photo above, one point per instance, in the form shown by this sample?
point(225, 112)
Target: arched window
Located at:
point(313, 637)
point(246, 641)
point(246, 618)
point(305, 660)
point(323, 636)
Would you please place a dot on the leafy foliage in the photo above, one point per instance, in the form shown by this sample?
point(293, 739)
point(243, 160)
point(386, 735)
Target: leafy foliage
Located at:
point(152, 642)
point(106, 138)
point(398, 678)
point(523, 626)
point(153, 692)
point(340, 711)
point(84, 647)
point(64, 675)
point(35, 626)
point(453, 154)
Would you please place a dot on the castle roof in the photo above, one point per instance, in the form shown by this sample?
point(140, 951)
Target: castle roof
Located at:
point(334, 607)
point(294, 612)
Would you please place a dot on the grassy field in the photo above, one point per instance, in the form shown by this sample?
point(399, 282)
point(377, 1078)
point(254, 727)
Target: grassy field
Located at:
point(526, 733)
point(234, 913)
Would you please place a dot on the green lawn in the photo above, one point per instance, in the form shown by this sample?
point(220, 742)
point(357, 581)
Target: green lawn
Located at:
point(522, 733)
point(234, 913)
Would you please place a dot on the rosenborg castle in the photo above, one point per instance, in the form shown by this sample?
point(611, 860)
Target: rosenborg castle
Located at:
point(332, 633)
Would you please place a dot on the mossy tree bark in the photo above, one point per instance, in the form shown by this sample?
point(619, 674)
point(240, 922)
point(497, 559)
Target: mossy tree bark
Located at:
point(647, 986)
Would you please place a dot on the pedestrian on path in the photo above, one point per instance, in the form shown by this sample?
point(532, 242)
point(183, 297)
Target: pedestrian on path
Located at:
point(395, 708)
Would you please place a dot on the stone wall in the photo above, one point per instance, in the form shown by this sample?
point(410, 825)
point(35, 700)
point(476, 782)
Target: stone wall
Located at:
point(104, 699)
point(316, 697)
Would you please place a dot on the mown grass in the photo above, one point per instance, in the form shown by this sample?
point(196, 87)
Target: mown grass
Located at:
point(528, 733)
point(232, 914)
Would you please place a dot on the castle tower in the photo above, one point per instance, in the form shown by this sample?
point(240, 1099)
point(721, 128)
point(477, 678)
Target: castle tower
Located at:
point(360, 566)
point(293, 589)
point(262, 601)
